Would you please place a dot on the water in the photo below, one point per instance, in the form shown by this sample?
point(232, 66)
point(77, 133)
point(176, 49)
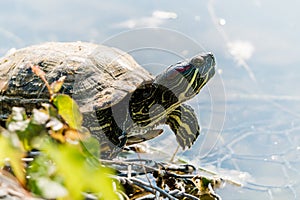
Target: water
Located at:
point(249, 113)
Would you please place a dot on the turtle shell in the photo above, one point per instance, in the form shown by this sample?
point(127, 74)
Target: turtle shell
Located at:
point(96, 75)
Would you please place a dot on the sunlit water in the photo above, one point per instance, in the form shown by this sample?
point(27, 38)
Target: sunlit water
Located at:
point(249, 113)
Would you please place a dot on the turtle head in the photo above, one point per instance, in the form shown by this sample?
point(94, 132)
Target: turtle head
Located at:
point(186, 78)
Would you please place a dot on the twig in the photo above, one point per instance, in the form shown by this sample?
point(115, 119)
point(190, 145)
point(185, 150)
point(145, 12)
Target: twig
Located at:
point(41, 74)
point(161, 191)
point(174, 154)
point(146, 168)
point(164, 176)
point(144, 185)
point(180, 195)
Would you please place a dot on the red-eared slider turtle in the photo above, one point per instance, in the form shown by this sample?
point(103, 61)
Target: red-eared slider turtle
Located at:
point(120, 100)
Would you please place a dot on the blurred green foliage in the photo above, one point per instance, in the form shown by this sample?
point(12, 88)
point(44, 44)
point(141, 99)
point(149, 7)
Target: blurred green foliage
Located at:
point(66, 165)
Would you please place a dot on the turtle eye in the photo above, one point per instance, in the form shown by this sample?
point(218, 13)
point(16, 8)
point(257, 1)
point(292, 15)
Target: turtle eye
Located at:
point(197, 61)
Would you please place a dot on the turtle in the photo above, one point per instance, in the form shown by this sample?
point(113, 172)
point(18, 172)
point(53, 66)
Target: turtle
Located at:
point(121, 102)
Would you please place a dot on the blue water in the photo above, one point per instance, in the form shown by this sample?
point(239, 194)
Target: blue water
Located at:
point(249, 112)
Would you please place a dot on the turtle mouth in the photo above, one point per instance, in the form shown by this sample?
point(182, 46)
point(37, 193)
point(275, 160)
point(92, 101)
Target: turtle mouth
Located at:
point(211, 71)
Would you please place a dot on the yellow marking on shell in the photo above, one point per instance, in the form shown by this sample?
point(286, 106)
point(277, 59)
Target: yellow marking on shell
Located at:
point(98, 128)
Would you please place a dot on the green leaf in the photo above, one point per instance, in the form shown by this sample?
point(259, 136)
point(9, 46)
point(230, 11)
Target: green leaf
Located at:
point(11, 151)
point(91, 147)
point(78, 173)
point(68, 110)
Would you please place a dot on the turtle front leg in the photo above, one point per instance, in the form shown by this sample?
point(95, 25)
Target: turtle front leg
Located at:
point(184, 124)
point(144, 137)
